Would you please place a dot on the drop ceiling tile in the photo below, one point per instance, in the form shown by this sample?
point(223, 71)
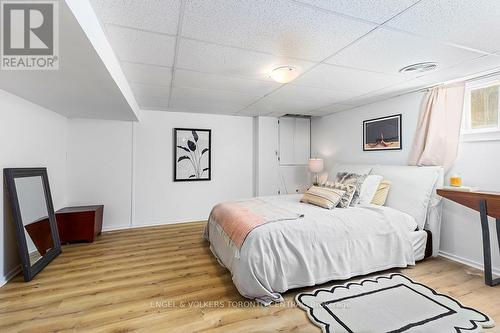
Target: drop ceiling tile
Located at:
point(205, 95)
point(390, 50)
point(151, 97)
point(205, 109)
point(466, 68)
point(278, 27)
point(147, 74)
point(199, 80)
point(371, 98)
point(308, 98)
point(331, 109)
point(268, 105)
point(252, 112)
point(347, 79)
point(474, 66)
point(142, 47)
point(471, 23)
point(200, 106)
point(372, 10)
point(154, 15)
point(151, 90)
point(152, 103)
point(228, 61)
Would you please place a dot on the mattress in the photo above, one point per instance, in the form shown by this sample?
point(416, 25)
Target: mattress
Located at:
point(323, 246)
point(225, 253)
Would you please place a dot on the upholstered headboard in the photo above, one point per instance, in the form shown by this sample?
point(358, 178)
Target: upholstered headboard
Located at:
point(413, 191)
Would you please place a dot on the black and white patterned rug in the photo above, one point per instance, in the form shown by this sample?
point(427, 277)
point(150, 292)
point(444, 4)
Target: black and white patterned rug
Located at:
point(392, 303)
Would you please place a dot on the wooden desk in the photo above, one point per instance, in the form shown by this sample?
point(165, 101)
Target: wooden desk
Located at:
point(487, 204)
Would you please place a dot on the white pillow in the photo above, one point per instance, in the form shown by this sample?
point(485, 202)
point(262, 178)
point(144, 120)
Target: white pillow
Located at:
point(369, 188)
point(411, 188)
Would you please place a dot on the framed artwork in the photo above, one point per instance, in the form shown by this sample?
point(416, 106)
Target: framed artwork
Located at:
point(192, 154)
point(382, 133)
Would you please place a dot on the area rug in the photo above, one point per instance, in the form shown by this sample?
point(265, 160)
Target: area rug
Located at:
point(391, 303)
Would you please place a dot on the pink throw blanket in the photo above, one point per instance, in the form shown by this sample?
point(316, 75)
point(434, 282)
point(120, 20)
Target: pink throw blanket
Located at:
point(237, 219)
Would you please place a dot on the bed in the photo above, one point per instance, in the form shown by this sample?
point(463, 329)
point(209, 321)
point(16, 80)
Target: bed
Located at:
point(324, 245)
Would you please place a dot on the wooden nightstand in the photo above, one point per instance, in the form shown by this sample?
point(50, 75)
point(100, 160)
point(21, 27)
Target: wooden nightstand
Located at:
point(82, 223)
point(487, 204)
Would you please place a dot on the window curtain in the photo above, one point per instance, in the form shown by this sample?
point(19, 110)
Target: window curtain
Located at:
point(438, 129)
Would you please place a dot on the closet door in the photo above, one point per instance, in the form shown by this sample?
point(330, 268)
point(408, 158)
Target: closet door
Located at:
point(286, 140)
point(294, 140)
point(302, 141)
point(268, 173)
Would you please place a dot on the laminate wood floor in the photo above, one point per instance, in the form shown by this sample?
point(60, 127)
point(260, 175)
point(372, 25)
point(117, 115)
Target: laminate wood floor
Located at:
point(165, 279)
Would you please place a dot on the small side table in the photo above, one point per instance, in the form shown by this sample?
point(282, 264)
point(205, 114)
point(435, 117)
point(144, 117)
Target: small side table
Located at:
point(487, 204)
point(81, 223)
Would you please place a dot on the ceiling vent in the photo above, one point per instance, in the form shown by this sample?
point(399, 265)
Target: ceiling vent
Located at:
point(419, 68)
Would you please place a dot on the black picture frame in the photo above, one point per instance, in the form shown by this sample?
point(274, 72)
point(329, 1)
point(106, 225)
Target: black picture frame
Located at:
point(10, 174)
point(178, 150)
point(373, 128)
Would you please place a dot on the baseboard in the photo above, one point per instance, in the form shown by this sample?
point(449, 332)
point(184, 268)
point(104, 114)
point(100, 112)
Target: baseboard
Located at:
point(146, 225)
point(467, 262)
point(13, 272)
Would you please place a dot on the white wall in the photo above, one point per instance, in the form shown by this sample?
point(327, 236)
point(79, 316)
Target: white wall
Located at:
point(31, 136)
point(157, 199)
point(479, 164)
point(128, 167)
point(100, 168)
point(338, 138)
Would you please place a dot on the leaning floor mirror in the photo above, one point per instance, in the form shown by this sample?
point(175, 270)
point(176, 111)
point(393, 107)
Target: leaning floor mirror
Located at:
point(33, 214)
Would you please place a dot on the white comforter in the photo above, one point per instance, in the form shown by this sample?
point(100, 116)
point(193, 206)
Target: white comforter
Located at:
point(324, 245)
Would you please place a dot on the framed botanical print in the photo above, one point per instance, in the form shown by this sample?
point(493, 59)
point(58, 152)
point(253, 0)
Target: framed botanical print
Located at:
point(382, 133)
point(192, 154)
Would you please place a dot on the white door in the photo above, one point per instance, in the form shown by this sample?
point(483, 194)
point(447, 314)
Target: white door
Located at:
point(302, 141)
point(294, 140)
point(268, 173)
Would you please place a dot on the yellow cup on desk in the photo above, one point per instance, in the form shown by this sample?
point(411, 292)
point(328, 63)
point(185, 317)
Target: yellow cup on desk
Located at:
point(456, 180)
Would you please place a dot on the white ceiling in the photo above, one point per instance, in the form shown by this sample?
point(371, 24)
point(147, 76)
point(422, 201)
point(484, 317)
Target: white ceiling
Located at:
point(214, 56)
point(82, 87)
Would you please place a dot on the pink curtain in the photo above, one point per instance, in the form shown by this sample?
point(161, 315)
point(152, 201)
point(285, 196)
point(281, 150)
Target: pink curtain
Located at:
point(438, 130)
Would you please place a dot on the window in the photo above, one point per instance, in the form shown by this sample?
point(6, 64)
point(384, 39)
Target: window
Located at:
point(481, 110)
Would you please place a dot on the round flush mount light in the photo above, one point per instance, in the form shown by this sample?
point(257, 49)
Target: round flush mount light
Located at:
point(419, 68)
point(284, 74)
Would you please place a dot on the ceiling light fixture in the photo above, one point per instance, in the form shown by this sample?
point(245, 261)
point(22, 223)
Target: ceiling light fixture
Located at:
point(284, 74)
point(419, 68)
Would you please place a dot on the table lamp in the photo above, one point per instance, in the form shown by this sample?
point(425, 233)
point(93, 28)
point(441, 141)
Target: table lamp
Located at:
point(316, 166)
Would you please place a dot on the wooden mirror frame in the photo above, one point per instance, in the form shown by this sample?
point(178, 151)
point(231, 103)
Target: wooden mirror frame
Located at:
point(10, 175)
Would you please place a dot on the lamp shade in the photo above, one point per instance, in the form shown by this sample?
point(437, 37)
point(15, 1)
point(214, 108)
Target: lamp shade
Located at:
point(316, 165)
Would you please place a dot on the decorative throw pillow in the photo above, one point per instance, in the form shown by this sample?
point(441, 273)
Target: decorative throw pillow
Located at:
point(323, 196)
point(348, 178)
point(369, 188)
point(382, 192)
point(347, 197)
